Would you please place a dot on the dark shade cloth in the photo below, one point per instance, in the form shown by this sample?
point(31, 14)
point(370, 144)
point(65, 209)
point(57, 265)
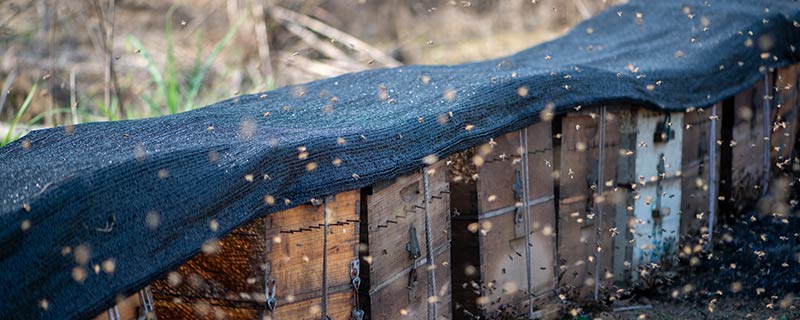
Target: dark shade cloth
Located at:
point(92, 187)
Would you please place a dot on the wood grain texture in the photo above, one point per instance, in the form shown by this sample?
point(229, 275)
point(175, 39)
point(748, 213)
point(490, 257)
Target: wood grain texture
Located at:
point(747, 152)
point(784, 130)
point(695, 167)
point(393, 209)
point(578, 204)
point(503, 266)
point(496, 175)
point(489, 255)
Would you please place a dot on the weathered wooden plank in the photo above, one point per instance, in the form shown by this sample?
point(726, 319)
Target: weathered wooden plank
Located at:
point(579, 202)
point(489, 268)
point(695, 167)
point(395, 218)
point(296, 246)
point(747, 159)
point(654, 197)
point(502, 256)
point(784, 127)
point(394, 300)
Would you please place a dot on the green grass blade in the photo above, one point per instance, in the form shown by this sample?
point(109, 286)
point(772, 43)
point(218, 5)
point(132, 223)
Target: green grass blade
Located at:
point(155, 75)
point(197, 80)
point(198, 62)
point(171, 70)
point(20, 112)
point(110, 112)
point(155, 109)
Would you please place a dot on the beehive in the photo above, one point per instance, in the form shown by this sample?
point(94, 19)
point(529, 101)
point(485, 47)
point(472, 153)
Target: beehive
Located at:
point(394, 246)
point(743, 142)
point(784, 126)
point(699, 153)
point(585, 242)
point(488, 204)
point(285, 249)
point(650, 173)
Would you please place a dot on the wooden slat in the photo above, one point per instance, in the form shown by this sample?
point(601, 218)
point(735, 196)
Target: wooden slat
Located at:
point(577, 213)
point(747, 158)
point(502, 256)
point(392, 209)
point(395, 301)
point(296, 259)
point(489, 266)
point(655, 232)
point(695, 167)
point(785, 121)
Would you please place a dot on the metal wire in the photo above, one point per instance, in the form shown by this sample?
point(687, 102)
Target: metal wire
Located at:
point(325, 260)
point(269, 291)
point(767, 127)
point(527, 219)
point(113, 313)
point(712, 177)
point(432, 306)
point(600, 184)
point(147, 302)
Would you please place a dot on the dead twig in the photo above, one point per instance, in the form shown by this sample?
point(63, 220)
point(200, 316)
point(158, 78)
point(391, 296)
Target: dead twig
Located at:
point(262, 37)
point(109, 75)
point(312, 40)
point(6, 87)
point(15, 11)
point(320, 69)
point(73, 100)
point(102, 37)
point(583, 9)
point(333, 33)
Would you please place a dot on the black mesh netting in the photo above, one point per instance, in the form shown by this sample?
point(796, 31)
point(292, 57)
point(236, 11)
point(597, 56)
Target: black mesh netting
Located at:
point(97, 185)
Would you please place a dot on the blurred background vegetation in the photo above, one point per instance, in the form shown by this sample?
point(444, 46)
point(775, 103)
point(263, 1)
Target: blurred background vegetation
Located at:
point(67, 62)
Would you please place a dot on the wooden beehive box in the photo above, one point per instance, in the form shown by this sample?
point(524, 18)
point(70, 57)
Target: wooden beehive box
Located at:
point(228, 279)
point(696, 165)
point(489, 264)
point(652, 143)
point(784, 127)
point(393, 230)
point(579, 204)
point(742, 178)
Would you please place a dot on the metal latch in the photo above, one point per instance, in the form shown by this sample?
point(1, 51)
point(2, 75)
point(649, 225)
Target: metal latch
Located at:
point(272, 302)
point(413, 253)
point(702, 151)
point(147, 310)
point(664, 132)
point(519, 218)
point(592, 184)
point(413, 245)
point(662, 173)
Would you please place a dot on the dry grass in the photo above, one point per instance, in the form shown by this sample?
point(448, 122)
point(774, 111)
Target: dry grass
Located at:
point(55, 41)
